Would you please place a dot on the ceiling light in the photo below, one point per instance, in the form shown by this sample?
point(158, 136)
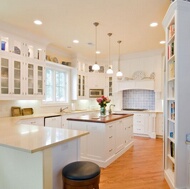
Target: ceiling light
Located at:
point(162, 42)
point(119, 73)
point(96, 66)
point(75, 41)
point(153, 24)
point(109, 71)
point(38, 22)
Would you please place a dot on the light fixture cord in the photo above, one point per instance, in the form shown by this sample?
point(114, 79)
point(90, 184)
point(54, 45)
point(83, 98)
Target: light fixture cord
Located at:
point(119, 57)
point(109, 34)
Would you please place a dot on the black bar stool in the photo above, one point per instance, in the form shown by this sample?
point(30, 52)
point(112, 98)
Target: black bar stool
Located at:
point(81, 174)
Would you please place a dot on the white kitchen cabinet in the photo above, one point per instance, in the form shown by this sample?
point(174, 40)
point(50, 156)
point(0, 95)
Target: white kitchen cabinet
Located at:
point(96, 80)
point(52, 121)
point(21, 75)
point(33, 121)
point(144, 124)
point(119, 135)
point(105, 141)
point(82, 85)
point(159, 124)
point(34, 80)
point(11, 76)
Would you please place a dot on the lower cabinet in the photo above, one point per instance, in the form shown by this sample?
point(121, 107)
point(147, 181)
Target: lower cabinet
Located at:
point(52, 121)
point(159, 124)
point(33, 121)
point(105, 141)
point(144, 124)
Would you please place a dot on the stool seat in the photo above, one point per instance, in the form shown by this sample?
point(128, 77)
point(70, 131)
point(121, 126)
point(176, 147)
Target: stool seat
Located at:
point(81, 170)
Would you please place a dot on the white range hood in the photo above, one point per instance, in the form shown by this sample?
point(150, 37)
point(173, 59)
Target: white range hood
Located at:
point(138, 81)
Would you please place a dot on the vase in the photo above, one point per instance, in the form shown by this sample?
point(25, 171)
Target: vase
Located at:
point(102, 111)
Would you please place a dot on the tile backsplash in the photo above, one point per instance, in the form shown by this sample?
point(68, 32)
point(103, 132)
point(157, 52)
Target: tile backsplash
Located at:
point(137, 98)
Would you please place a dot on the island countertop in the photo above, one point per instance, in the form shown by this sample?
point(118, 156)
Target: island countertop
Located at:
point(99, 119)
point(32, 138)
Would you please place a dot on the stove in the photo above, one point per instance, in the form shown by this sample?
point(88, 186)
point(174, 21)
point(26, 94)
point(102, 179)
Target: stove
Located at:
point(134, 109)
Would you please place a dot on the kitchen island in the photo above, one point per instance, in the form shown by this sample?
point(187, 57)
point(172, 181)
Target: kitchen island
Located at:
point(33, 156)
point(109, 137)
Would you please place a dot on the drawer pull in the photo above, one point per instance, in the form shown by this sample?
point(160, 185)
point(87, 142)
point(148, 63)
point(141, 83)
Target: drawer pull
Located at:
point(110, 136)
point(110, 126)
point(110, 150)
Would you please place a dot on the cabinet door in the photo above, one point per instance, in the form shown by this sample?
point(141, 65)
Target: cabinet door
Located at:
point(5, 74)
point(159, 124)
point(119, 135)
point(11, 76)
point(53, 122)
point(40, 80)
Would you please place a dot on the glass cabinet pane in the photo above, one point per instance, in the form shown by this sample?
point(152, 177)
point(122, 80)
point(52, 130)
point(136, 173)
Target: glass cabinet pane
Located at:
point(30, 79)
point(40, 80)
point(17, 77)
point(4, 76)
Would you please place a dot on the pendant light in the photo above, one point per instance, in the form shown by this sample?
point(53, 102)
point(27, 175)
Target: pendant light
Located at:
point(109, 71)
point(96, 67)
point(119, 73)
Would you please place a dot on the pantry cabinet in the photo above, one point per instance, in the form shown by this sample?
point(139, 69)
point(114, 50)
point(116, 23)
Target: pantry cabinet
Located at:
point(177, 90)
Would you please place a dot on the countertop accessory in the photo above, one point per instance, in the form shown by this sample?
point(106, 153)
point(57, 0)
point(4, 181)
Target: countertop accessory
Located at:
point(27, 111)
point(16, 111)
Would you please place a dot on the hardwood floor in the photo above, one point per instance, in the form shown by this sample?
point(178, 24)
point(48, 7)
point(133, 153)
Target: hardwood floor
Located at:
point(141, 167)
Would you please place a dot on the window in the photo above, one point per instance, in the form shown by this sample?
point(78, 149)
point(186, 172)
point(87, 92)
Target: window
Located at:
point(56, 86)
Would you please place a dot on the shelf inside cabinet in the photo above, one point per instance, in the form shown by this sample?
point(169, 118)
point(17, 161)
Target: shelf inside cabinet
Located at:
point(171, 158)
point(171, 139)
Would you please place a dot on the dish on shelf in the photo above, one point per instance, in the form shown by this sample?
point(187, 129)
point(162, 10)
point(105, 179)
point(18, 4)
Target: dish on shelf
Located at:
point(16, 50)
point(16, 111)
point(55, 60)
point(138, 75)
point(27, 111)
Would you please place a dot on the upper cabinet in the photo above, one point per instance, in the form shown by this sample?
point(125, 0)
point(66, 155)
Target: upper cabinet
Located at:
point(22, 67)
point(177, 90)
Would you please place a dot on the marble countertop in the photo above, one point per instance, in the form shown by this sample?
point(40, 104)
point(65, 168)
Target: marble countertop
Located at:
point(32, 138)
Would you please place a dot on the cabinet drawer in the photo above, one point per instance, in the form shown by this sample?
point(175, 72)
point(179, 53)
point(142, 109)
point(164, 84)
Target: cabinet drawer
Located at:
point(138, 130)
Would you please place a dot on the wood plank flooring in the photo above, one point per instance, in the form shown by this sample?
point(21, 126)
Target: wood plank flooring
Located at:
point(141, 167)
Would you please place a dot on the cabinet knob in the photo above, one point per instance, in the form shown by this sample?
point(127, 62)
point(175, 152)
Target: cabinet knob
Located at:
point(110, 136)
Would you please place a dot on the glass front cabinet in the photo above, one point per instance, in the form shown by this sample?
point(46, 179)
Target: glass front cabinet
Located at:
point(21, 69)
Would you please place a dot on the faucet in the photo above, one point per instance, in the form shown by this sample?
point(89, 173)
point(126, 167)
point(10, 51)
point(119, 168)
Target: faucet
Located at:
point(110, 111)
point(62, 109)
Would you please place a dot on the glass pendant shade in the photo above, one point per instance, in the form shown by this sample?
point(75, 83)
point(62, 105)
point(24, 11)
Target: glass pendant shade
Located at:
point(95, 67)
point(119, 74)
point(109, 71)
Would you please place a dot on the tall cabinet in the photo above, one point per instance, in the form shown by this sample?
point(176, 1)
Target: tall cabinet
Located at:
point(177, 91)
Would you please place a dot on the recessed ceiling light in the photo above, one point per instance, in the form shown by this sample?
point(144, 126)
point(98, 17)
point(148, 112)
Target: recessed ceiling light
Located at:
point(162, 42)
point(98, 52)
point(153, 24)
point(75, 41)
point(38, 22)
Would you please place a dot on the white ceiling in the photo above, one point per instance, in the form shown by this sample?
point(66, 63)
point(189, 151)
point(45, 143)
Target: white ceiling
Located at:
point(65, 20)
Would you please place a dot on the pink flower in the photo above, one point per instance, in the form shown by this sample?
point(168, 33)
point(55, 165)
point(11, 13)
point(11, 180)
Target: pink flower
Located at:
point(102, 101)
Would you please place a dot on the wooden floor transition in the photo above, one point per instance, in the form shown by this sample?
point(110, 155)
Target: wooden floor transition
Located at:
point(141, 167)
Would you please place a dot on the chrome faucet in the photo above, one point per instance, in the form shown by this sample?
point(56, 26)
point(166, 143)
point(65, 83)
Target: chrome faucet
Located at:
point(110, 111)
point(62, 109)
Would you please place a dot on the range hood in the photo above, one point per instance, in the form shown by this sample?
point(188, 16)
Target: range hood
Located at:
point(138, 81)
point(133, 84)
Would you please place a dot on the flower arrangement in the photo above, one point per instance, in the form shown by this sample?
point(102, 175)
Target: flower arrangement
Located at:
point(102, 101)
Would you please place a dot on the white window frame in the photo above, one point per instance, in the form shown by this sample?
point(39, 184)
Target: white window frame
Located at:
point(60, 68)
